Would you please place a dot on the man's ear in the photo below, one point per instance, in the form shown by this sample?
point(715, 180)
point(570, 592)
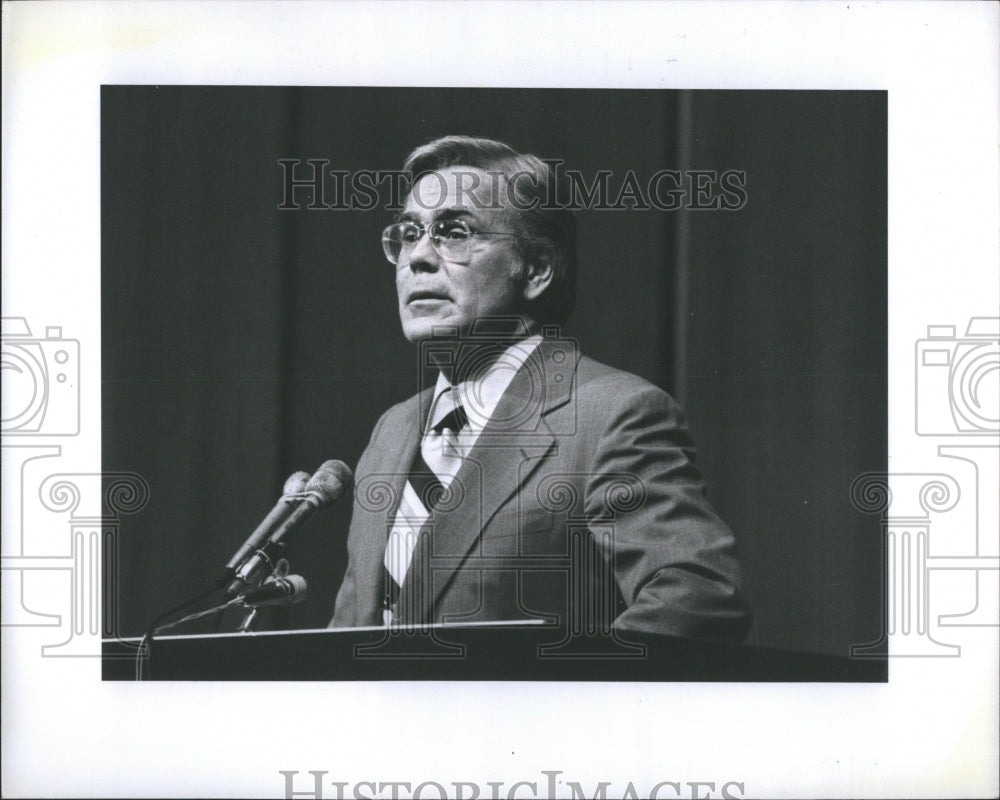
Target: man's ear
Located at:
point(538, 274)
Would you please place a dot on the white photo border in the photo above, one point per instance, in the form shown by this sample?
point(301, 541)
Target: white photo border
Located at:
point(930, 732)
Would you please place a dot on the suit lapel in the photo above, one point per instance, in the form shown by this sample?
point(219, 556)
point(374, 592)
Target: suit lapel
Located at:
point(510, 448)
point(386, 479)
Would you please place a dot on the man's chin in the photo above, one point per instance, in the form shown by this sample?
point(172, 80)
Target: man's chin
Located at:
point(419, 329)
point(494, 328)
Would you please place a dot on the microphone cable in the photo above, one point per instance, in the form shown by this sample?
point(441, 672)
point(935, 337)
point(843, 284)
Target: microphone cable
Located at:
point(147, 640)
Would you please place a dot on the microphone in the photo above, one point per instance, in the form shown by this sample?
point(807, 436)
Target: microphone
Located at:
point(291, 495)
point(324, 488)
point(284, 591)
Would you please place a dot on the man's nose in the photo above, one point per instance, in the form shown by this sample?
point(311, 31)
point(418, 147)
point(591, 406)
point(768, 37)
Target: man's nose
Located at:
point(423, 256)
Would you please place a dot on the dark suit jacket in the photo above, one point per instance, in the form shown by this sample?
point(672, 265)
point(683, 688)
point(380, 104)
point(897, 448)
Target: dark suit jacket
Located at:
point(579, 503)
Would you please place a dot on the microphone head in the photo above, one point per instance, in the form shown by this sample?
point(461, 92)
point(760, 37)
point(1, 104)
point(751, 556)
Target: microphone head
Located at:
point(297, 588)
point(296, 483)
point(330, 481)
point(284, 591)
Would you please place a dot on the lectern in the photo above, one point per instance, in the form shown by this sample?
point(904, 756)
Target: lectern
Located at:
point(490, 652)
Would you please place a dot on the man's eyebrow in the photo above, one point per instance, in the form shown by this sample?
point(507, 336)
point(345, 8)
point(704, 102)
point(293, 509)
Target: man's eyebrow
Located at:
point(444, 213)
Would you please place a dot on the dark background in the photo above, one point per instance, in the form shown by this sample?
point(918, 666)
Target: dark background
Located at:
point(241, 342)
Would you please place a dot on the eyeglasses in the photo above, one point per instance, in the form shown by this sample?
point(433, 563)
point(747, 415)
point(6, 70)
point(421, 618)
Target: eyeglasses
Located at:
point(451, 238)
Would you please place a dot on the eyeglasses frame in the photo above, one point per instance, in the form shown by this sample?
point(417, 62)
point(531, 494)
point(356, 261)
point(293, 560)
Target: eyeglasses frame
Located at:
point(436, 239)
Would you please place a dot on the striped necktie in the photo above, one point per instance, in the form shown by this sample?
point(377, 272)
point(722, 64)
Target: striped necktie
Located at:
point(437, 460)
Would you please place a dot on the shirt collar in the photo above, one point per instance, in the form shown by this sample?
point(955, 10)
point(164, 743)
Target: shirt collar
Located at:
point(481, 396)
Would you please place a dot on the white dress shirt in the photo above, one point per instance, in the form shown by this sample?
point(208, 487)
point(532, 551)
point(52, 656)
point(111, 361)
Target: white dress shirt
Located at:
point(444, 451)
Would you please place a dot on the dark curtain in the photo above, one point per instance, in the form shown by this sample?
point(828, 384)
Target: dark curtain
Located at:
point(241, 342)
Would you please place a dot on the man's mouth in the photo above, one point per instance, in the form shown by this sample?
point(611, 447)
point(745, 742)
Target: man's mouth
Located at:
point(427, 295)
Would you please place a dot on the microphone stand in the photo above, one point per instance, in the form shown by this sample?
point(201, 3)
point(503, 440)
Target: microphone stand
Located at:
point(326, 485)
point(248, 620)
point(145, 648)
point(281, 569)
point(198, 615)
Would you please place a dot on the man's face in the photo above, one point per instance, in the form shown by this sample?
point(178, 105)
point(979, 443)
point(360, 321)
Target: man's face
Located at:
point(434, 291)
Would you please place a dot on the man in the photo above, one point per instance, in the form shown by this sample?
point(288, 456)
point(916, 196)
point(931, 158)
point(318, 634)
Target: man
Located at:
point(530, 482)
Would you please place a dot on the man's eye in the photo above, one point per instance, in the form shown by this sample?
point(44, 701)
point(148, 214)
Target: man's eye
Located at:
point(409, 233)
point(455, 231)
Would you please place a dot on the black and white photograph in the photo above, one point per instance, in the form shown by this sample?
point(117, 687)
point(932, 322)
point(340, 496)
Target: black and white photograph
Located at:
point(373, 370)
point(270, 302)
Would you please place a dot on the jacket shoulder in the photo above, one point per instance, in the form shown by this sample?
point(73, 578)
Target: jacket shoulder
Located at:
point(611, 387)
point(399, 414)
